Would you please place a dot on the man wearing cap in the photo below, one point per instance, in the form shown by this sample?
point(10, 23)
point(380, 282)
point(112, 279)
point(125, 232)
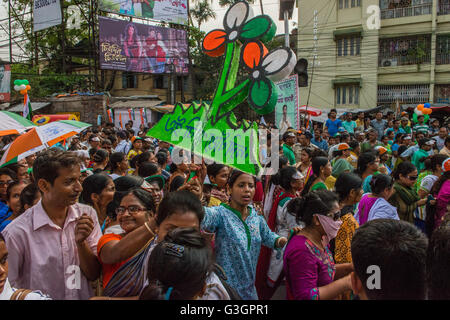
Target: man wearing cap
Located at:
point(419, 156)
point(349, 124)
point(414, 147)
point(379, 124)
point(94, 142)
point(123, 145)
point(341, 163)
point(405, 127)
point(75, 143)
point(289, 141)
point(383, 153)
point(304, 141)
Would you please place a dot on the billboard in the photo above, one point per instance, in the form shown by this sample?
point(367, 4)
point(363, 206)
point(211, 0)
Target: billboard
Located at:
point(174, 11)
point(135, 47)
point(5, 82)
point(286, 111)
point(46, 14)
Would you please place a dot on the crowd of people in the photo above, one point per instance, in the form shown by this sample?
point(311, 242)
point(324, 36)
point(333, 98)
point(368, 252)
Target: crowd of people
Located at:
point(108, 215)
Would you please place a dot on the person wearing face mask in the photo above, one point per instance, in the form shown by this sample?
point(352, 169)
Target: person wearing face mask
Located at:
point(311, 273)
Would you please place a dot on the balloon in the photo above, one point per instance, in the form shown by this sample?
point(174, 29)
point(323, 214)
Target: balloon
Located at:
point(420, 107)
point(17, 88)
point(419, 113)
point(28, 87)
point(427, 111)
point(23, 91)
point(427, 105)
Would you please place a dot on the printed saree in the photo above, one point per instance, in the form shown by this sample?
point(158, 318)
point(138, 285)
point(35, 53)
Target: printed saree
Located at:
point(130, 279)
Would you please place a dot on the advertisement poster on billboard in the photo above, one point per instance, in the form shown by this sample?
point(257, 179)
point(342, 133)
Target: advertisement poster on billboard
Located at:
point(5, 83)
point(134, 47)
point(286, 110)
point(174, 11)
point(46, 14)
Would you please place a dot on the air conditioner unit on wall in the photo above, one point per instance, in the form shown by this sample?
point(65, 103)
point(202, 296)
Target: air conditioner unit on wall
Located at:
point(389, 62)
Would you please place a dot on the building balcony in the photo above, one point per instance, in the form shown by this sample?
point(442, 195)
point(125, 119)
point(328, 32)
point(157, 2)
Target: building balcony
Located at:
point(394, 61)
point(406, 11)
point(444, 7)
point(443, 58)
point(417, 93)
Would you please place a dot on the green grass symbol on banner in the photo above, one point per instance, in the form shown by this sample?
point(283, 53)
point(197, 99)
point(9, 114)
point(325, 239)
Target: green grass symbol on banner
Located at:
point(211, 130)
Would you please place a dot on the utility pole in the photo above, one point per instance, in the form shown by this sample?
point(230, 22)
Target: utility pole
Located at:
point(63, 40)
point(285, 13)
point(10, 35)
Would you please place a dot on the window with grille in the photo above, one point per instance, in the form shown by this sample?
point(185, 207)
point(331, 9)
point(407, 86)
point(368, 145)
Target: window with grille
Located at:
point(442, 93)
point(443, 49)
point(129, 80)
point(414, 93)
point(345, 4)
point(348, 46)
point(347, 94)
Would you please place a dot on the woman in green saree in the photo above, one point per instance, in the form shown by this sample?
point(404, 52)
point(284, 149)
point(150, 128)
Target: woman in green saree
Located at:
point(405, 197)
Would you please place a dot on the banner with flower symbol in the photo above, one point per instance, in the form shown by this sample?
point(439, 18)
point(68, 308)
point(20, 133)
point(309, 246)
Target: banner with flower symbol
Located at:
point(212, 130)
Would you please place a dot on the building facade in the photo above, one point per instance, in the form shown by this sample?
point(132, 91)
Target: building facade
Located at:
point(366, 53)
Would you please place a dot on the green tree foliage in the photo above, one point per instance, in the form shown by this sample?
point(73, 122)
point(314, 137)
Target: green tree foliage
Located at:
point(202, 12)
point(57, 50)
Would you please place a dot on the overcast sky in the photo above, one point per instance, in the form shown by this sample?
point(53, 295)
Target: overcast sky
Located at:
point(271, 8)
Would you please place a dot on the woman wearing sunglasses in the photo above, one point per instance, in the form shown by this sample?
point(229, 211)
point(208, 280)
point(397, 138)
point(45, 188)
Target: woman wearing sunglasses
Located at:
point(405, 197)
point(308, 263)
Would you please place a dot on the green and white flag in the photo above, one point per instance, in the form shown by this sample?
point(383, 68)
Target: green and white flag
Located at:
point(27, 111)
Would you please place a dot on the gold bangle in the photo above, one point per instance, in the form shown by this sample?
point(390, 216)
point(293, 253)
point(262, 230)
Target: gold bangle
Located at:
point(148, 228)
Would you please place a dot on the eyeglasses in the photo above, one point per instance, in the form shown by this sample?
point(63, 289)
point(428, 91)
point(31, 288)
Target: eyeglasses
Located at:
point(6, 183)
point(130, 209)
point(412, 178)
